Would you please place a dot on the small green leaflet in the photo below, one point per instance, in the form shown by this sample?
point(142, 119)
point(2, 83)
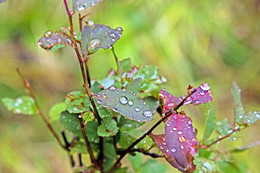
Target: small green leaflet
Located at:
point(108, 127)
point(211, 121)
point(238, 108)
point(21, 105)
point(126, 103)
point(56, 110)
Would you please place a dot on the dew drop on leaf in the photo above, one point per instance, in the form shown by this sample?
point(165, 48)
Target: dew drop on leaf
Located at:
point(112, 88)
point(123, 100)
point(147, 113)
point(137, 109)
point(130, 103)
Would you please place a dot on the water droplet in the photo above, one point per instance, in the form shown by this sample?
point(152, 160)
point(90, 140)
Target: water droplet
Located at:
point(99, 101)
point(205, 87)
point(130, 103)
point(93, 44)
point(173, 150)
point(39, 44)
point(48, 34)
point(147, 113)
point(79, 116)
point(182, 139)
point(123, 100)
point(174, 128)
point(179, 132)
point(170, 104)
point(112, 35)
point(189, 122)
point(181, 147)
point(119, 29)
point(168, 124)
point(104, 96)
point(161, 147)
point(137, 109)
point(112, 88)
point(167, 151)
point(115, 109)
point(175, 117)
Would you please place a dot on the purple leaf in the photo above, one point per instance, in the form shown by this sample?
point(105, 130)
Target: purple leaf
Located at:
point(160, 141)
point(181, 140)
point(202, 95)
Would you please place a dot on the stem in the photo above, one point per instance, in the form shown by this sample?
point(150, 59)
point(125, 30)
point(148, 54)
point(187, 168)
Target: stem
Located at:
point(168, 114)
point(82, 127)
point(87, 71)
point(47, 123)
point(86, 83)
point(117, 64)
point(141, 150)
point(219, 139)
point(67, 145)
point(81, 20)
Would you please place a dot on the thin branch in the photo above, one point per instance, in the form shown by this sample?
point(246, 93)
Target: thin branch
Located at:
point(145, 152)
point(86, 83)
point(67, 145)
point(219, 139)
point(117, 64)
point(81, 20)
point(47, 123)
point(80, 160)
point(167, 115)
point(87, 70)
point(82, 127)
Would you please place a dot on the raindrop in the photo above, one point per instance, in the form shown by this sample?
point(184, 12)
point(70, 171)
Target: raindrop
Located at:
point(130, 103)
point(115, 109)
point(182, 139)
point(161, 147)
point(147, 113)
point(112, 88)
point(173, 149)
point(189, 122)
point(181, 147)
point(179, 132)
point(123, 100)
point(99, 101)
point(168, 124)
point(137, 109)
point(167, 151)
point(241, 116)
point(48, 34)
point(205, 87)
point(39, 44)
point(119, 29)
point(196, 102)
point(79, 116)
point(170, 104)
point(174, 128)
point(104, 96)
point(112, 35)
point(175, 117)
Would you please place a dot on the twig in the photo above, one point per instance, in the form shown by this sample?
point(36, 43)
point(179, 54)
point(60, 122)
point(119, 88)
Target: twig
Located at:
point(168, 114)
point(81, 19)
point(82, 127)
point(47, 123)
point(86, 84)
point(117, 64)
point(145, 152)
point(87, 71)
point(219, 139)
point(67, 145)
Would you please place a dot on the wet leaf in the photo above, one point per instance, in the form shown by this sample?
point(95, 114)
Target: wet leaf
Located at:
point(96, 87)
point(181, 140)
point(202, 95)
point(53, 41)
point(71, 123)
point(205, 165)
point(210, 122)
point(223, 127)
point(151, 102)
point(124, 102)
point(21, 105)
point(99, 36)
point(127, 124)
point(152, 166)
point(134, 85)
point(238, 108)
point(77, 102)
point(79, 5)
point(108, 127)
point(251, 118)
point(160, 142)
point(125, 139)
point(125, 66)
point(146, 143)
point(56, 110)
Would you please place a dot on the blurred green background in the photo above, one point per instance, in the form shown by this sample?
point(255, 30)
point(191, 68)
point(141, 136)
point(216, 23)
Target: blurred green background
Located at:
point(190, 41)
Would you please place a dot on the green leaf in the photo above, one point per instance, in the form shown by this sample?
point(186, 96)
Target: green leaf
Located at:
point(108, 164)
point(88, 116)
point(223, 127)
point(77, 102)
point(251, 118)
point(152, 166)
point(146, 143)
point(125, 139)
point(71, 123)
point(53, 41)
point(151, 102)
point(124, 102)
point(91, 131)
point(136, 161)
point(134, 86)
point(210, 122)
point(79, 147)
point(125, 66)
point(56, 110)
point(126, 124)
point(108, 127)
point(121, 170)
point(21, 105)
point(79, 5)
point(232, 166)
point(96, 87)
point(99, 36)
point(238, 108)
point(204, 165)
point(109, 151)
point(103, 112)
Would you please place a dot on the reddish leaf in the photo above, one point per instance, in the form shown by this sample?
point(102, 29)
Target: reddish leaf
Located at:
point(202, 95)
point(181, 140)
point(160, 141)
